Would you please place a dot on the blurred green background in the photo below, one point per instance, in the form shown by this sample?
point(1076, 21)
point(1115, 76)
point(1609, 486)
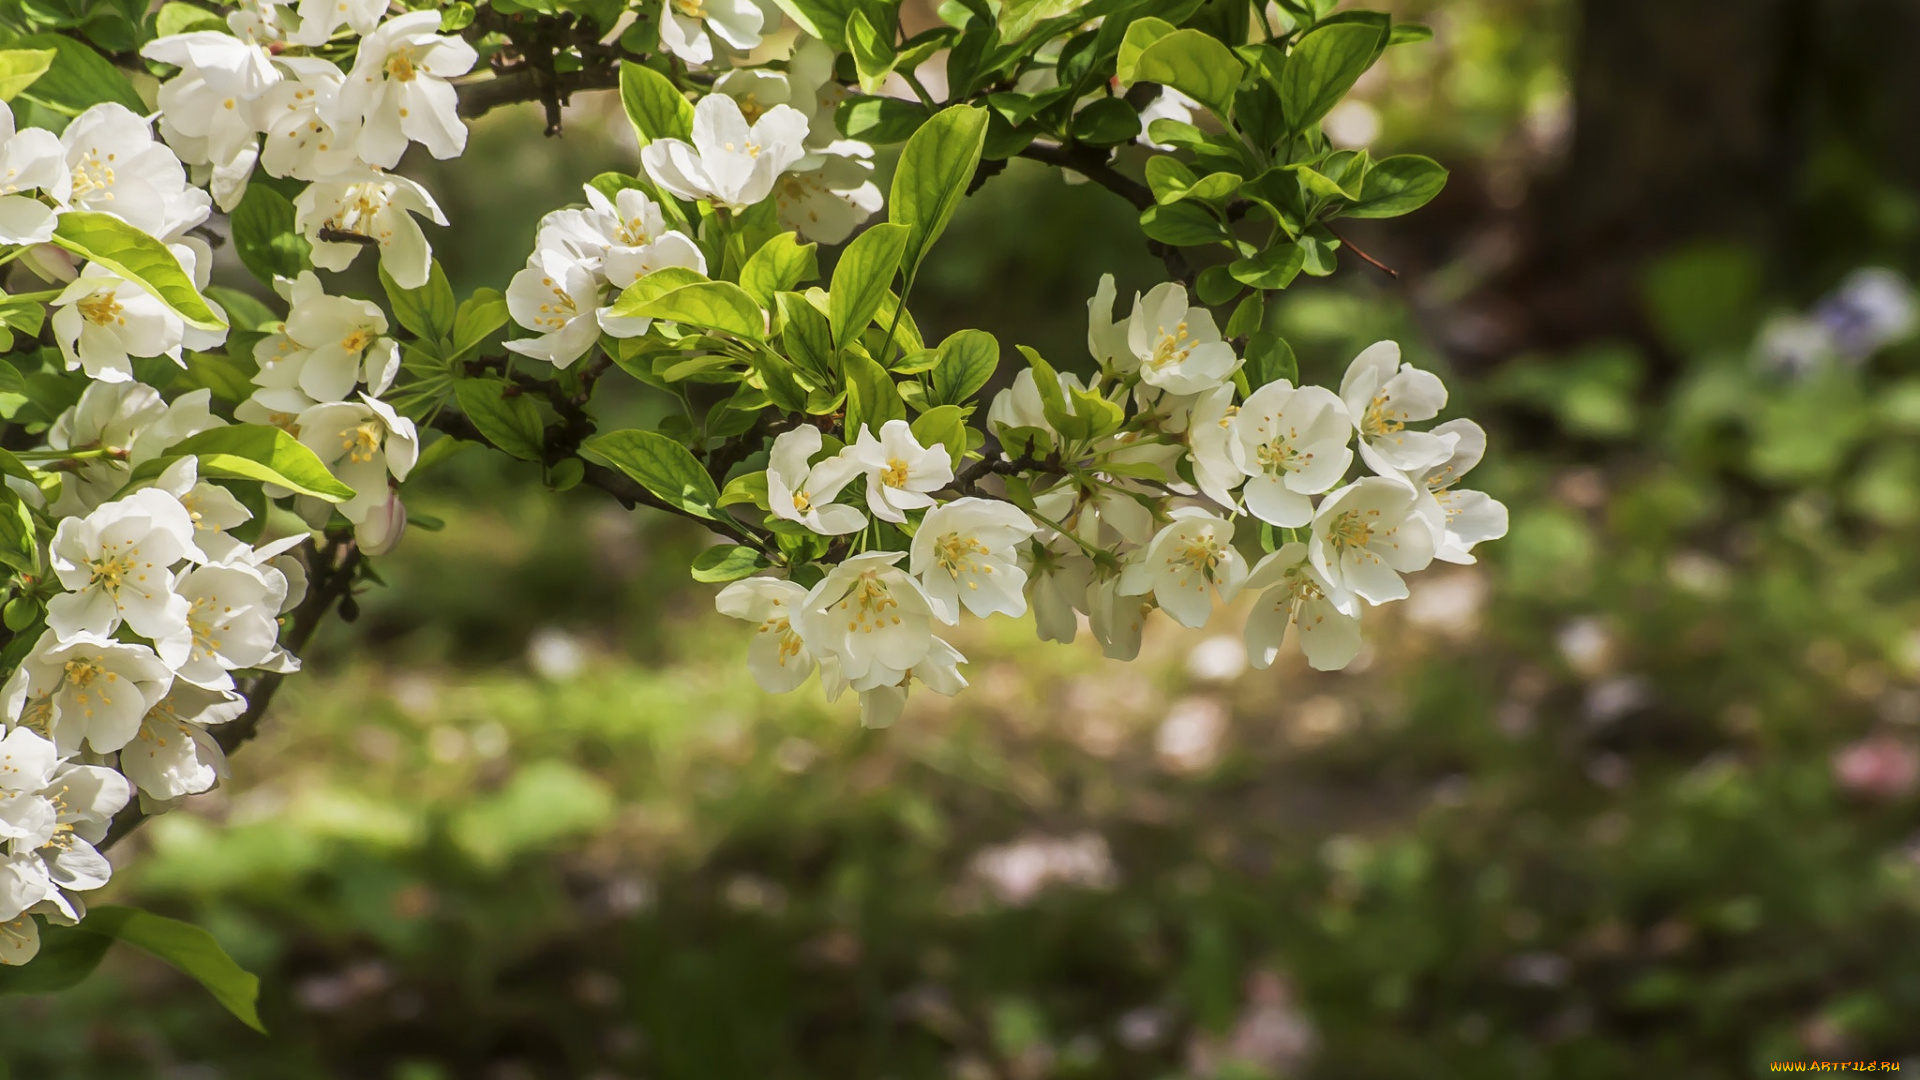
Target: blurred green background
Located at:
point(1634, 795)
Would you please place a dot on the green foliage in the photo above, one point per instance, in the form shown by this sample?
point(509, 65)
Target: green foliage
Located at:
point(125, 250)
point(655, 107)
point(862, 278)
point(427, 312)
point(506, 416)
point(77, 79)
point(662, 466)
point(256, 452)
point(20, 67)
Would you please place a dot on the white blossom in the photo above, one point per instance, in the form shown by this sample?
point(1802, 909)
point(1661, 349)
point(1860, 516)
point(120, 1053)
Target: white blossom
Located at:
point(964, 554)
point(804, 493)
point(210, 111)
point(321, 19)
point(398, 90)
point(102, 321)
point(1058, 577)
point(30, 160)
point(1292, 443)
point(559, 298)
point(1297, 598)
point(829, 193)
point(1383, 396)
point(1175, 347)
point(873, 619)
point(118, 563)
point(375, 206)
point(296, 116)
point(118, 168)
point(900, 472)
point(87, 690)
point(230, 620)
point(777, 656)
point(361, 442)
point(1459, 518)
point(683, 23)
point(1189, 563)
point(730, 163)
point(174, 755)
point(1367, 534)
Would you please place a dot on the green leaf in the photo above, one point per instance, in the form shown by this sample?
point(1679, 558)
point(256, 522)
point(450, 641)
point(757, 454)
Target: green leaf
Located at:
point(427, 311)
point(872, 399)
point(1182, 224)
point(748, 488)
point(476, 319)
point(658, 284)
point(807, 335)
point(1316, 185)
point(1323, 67)
point(873, 54)
point(967, 362)
point(1269, 358)
point(511, 422)
point(1408, 33)
point(712, 305)
point(67, 956)
point(257, 452)
point(1247, 317)
point(1398, 185)
point(175, 17)
point(1194, 63)
point(662, 466)
point(865, 275)
point(245, 312)
point(20, 67)
point(822, 19)
point(946, 425)
point(779, 265)
point(727, 562)
point(935, 169)
point(264, 237)
point(139, 258)
point(78, 79)
point(1053, 400)
point(191, 950)
point(1106, 122)
point(454, 18)
point(657, 108)
point(776, 377)
point(880, 120)
point(1274, 268)
point(1140, 34)
point(1172, 181)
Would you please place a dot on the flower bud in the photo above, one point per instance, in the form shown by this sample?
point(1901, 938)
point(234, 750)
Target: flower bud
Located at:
point(379, 532)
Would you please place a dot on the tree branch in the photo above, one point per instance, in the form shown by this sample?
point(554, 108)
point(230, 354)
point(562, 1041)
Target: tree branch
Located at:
point(525, 83)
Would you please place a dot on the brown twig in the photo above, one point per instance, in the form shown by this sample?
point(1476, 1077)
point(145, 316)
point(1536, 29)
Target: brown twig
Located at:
point(527, 83)
point(1366, 258)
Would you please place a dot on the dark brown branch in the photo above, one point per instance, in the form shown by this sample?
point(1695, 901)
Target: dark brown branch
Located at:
point(1093, 165)
point(330, 581)
point(526, 83)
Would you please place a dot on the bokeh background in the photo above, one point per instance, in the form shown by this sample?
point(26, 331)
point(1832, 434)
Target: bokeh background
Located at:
point(1633, 795)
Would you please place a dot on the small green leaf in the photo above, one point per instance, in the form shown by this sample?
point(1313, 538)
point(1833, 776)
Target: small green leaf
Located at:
point(1182, 224)
point(872, 399)
point(511, 422)
point(476, 319)
point(945, 425)
point(662, 466)
point(255, 452)
point(1270, 358)
point(657, 108)
point(807, 335)
point(880, 120)
point(67, 956)
point(821, 19)
point(873, 54)
point(776, 377)
point(727, 562)
point(1409, 33)
point(20, 67)
point(1398, 185)
point(779, 265)
point(78, 79)
point(175, 17)
point(1106, 122)
point(1194, 63)
point(264, 237)
point(1323, 67)
point(1140, 34)
point(863, 278)
point(935, 168)
point(1274, 268)
point(191, 950)
point(967, 361)
point(711, 305)
point(427, 311)
point(746, 488)
point(453, 19)
point(139, 258)
point(1246, 318)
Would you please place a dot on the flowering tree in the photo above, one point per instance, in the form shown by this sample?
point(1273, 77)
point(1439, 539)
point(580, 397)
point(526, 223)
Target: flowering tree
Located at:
point(196, 477)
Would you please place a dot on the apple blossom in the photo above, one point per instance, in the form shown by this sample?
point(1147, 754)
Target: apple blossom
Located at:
point(398, 90)
point(30, 160)
point(1175, 347)
point(1189, 563)
point(729, 163)
point(1292, 443)
point(1296, 597)
point(963, 553)
point(900, 472)
point(118, 561)
point(873, 619)
point(102, 321)
point(1366, 535)
point(804, 493)
point(777, 656)
point(87, 690)
point(1459, 518)
point(174, 755)
point(829, 193)
point(1383, 396)
point(683, 23)
point(371, 205)
point(118, 168)
point(362, 442)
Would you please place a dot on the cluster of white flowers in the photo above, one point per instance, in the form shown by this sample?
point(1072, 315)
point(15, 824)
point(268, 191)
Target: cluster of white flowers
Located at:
point(152, 602)
point(261, 94)
point(1121, 533)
